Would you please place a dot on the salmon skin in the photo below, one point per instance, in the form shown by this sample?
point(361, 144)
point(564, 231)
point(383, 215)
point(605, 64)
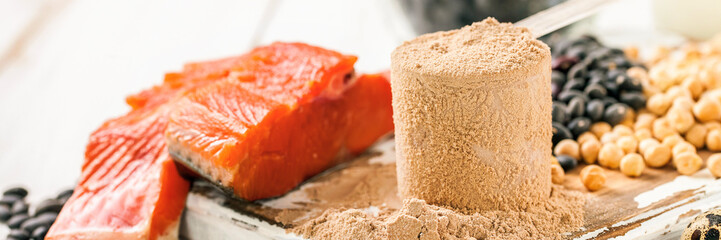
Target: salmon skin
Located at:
point(279, 120)
point(130, 188)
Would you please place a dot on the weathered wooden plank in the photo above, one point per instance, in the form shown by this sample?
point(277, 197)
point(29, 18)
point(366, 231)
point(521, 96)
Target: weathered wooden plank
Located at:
point(659, 204)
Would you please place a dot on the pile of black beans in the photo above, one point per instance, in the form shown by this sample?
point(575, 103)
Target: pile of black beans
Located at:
point(589, 84)
point(26, 224)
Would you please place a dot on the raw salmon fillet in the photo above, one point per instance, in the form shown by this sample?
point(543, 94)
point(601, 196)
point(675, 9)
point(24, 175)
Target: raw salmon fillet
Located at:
point(278, 120)
point(129, 187)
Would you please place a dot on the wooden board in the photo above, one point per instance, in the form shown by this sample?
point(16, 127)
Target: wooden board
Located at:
point(657, 205)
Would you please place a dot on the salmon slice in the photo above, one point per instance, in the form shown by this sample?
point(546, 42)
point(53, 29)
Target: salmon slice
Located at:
point(278, 121)
point(129, 187)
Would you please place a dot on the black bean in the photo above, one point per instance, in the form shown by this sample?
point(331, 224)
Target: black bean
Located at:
point(578, 52)
point(628, 83)
point(18, 234)
point(17, 191)
point(579, 126)
point(635, 100)
point(595, 90)
point(9, 200)
point(596, 76)
point(65, 193)
point(615, 73)
point(589, 38)
point(17, 220)
point(558, 77)
point(621, 62)
point(616, 51)
point(611, 88)
point(568, 163)
point(594, 110)
point(607, 101)
point(64, 196)
point(560, 132)
point(575, 83)
point(577, 71)
point(615, 113)
point(40, 232)
point(563, 63)
point(567, 95)
point(576, 107)
point(559, 112)
point(555, 90)
point(597, 56)
point(19, 207)
point(49, 205)
point(4, 213)
point(45, 219)
point(604, 64)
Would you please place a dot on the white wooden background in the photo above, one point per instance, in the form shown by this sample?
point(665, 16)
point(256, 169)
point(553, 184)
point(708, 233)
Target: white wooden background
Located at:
point(66, 65)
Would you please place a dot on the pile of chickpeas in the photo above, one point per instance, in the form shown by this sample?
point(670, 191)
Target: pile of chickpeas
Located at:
point(682, 115)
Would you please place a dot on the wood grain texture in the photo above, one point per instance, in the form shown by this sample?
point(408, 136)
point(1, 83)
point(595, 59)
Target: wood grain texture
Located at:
point(612, 212)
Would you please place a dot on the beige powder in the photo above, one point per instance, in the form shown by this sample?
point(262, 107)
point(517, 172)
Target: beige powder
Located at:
point(472, 114)
point(419, 220)
point(360, 201)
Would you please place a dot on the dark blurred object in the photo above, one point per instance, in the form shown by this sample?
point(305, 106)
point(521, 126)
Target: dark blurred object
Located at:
point(440, 15)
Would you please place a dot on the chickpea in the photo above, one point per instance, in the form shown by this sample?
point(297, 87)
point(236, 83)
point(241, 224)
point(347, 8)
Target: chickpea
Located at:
point(646, 143)
point(672, 140)
point(694, 86)
point(662, 128)
point(714, 164)
point(632, 54)
point(680, 118)
point(697, 135)
point(632, 165)
point(642, 134)
point(557, 174)
point(707, 79)
point(622, 130)
point(609, 137)
point(589, 151)
point(658, 104)
point(610, 155)
point(629, 144)
point(713, 140)
point(649, 89)
point(707, 109)
point(682, 147)
point(712, 125)
point(593, 177)
point(644, 121)
point(683, 102)
point(587, 136)
point(567, 147)
point(657, 155)
point(600, 128)
point(677, 92)
point(628, 119)
point(687, 163)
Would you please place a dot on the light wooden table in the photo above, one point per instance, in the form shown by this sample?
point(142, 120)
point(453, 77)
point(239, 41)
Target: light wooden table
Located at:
point(66, 65)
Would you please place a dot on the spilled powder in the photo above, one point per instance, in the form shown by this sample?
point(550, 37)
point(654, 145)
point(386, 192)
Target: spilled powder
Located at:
point(418, 220)
point(360, 201)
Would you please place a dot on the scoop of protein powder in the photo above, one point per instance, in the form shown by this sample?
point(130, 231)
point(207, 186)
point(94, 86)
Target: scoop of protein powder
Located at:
point(472, 112)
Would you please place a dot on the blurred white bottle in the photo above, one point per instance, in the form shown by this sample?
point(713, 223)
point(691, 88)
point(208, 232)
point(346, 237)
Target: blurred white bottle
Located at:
point(697, 19)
